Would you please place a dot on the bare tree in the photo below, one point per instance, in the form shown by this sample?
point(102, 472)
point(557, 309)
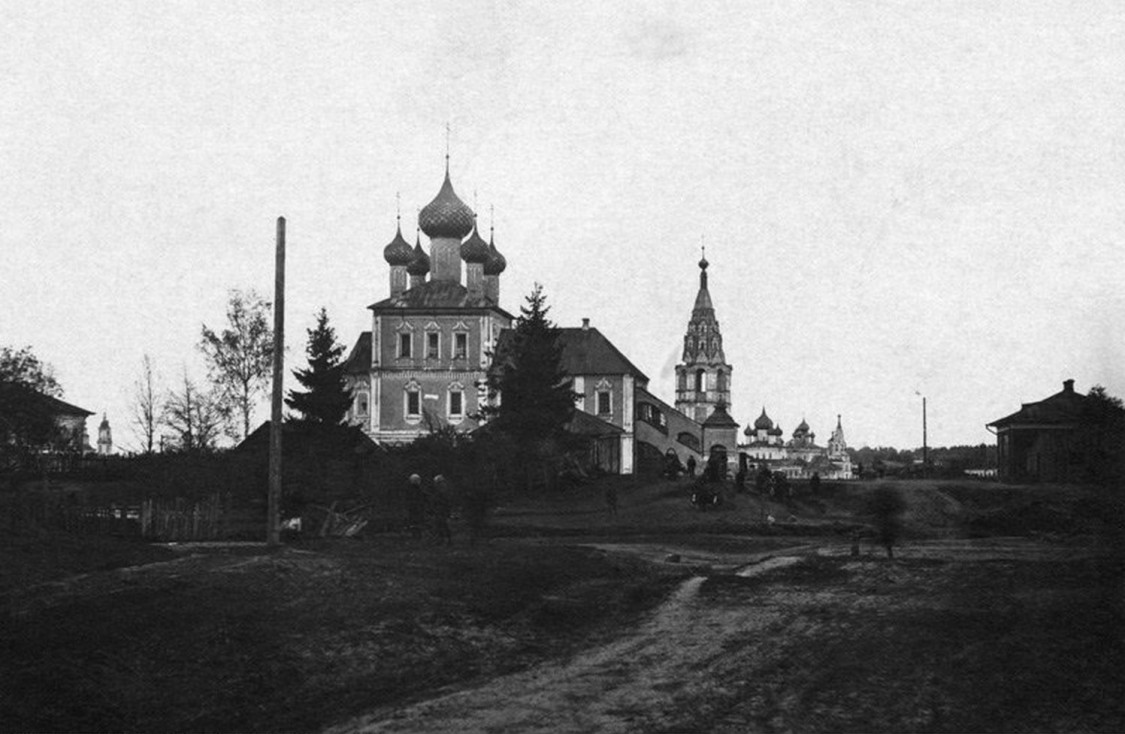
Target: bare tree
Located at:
point(240, 357)
point(195, 417)
point(146, 404)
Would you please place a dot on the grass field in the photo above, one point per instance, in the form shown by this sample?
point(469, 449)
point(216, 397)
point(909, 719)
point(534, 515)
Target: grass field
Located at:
point(969, 628)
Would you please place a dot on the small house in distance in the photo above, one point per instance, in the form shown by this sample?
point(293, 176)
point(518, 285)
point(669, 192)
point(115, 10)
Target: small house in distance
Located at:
point(1045, 441)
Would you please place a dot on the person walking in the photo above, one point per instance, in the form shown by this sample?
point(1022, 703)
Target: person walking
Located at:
point(440, 509)
point(415, 506)
point(691, 466)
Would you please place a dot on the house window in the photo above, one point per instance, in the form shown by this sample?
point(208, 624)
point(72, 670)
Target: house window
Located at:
point(433, 344)
point(404, 343)
point(605, 402)
point(460, 345)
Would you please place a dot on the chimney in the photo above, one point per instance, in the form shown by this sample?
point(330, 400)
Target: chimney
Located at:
point(1068, 385)
point(585, 324)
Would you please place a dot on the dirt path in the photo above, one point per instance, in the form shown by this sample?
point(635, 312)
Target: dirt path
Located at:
point(627, 685)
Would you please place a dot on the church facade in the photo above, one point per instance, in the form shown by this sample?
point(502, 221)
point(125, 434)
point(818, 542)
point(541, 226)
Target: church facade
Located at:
point(800, 457)
point(423, 364)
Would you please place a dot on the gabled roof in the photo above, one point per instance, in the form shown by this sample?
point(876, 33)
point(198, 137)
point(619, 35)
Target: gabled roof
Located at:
point(1062, 408)
point(48, 404)
point(359, 359)
point(585, 351)
point(436, 295)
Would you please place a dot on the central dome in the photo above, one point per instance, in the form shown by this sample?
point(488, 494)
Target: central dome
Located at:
point(446, 215)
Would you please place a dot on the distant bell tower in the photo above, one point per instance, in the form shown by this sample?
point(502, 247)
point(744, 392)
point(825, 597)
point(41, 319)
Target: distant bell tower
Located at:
point(105, 438)
point(703, 376)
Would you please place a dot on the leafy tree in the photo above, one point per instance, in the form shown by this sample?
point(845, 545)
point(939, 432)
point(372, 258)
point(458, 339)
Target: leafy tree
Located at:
point(146, 404)
point(535, 395)
point(195, 417)
point(240, 357)
point(326, 396)
point(1103, 436)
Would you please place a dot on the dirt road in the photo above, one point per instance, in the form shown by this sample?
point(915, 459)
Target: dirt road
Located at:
point(758, 650)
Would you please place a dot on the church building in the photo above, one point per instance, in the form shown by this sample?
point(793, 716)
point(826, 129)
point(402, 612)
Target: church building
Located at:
point(423, 363)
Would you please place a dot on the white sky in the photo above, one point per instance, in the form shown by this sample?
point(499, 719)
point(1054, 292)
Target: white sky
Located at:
point(897, 198)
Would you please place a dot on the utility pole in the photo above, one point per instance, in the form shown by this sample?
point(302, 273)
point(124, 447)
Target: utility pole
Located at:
point(925, 447)
point(273, 509)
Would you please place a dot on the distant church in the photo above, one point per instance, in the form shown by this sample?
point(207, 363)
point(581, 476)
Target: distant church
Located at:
point(424, 363)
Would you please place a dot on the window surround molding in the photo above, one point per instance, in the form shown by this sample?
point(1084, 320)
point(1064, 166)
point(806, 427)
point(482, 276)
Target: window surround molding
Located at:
point(412, 387)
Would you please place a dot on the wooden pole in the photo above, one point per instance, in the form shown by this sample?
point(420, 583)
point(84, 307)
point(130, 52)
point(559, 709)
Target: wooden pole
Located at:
point(273, 510)
point(925, 447)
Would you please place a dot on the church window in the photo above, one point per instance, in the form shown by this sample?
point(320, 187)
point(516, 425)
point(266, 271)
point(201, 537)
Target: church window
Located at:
point(605, 402)
point(460, 345)
point(456, 403)
point(404, 345)
point(361, 404)
point(700, 380)
point(412, 400)
point(721, 381)
point(433, 344)
point(689, 439)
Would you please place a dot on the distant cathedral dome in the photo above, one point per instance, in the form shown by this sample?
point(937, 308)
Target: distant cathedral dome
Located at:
point(419, 262)
point(399, 251)
point(763, 422)
point(446, 215)
point(475, 249)
point(776, 430)
point(801, 429)
point(496, 263)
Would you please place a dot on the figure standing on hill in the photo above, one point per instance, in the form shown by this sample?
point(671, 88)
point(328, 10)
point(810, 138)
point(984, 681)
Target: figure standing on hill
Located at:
point(611, 499)
point(691, 466)
point(415, 506)
point(440, 509)
point(475, 509)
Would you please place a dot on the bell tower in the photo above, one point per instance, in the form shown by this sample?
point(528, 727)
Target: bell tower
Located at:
point(703, 375)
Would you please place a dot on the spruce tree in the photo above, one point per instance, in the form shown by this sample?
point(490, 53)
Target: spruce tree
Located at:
point(536, 398)
point(326, 397)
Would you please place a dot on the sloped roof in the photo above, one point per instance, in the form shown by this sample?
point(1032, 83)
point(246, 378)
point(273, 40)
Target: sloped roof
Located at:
point(720, 418)
point(1062, 408)
point(585, 424)
point(54, 406)
point(436, 295)
point(359, 359)
point(585, 351)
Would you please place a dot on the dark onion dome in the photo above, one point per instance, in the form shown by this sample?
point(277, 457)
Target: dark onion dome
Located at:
point(446, 215)
point(496, 263)
point(419, 262)
point(474, 249)
point(399, 251)
point(802, 428)
point(763, 421)
point(776, 430)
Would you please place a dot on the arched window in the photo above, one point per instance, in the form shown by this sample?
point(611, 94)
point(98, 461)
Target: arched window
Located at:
point(700, 380)
point(721, 381)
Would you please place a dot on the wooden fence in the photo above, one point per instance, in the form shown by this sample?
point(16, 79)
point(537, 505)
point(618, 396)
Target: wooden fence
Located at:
point(181, 520)
point(154, 519)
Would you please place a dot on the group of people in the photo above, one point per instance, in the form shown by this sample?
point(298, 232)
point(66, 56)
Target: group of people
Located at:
point(430, 508)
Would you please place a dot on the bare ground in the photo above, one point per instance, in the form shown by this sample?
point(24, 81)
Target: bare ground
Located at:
point(950, 636)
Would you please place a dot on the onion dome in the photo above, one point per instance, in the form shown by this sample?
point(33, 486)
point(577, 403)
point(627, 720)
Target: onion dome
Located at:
point(496, 263)
point(475, 249)
point(446, 215)
point(763, 422)
point(399, 251)
point(776, 431)
point(801, 429)
point(420, 262)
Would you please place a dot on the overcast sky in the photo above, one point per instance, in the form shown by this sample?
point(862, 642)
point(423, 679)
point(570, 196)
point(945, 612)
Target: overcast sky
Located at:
point(898, 199)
